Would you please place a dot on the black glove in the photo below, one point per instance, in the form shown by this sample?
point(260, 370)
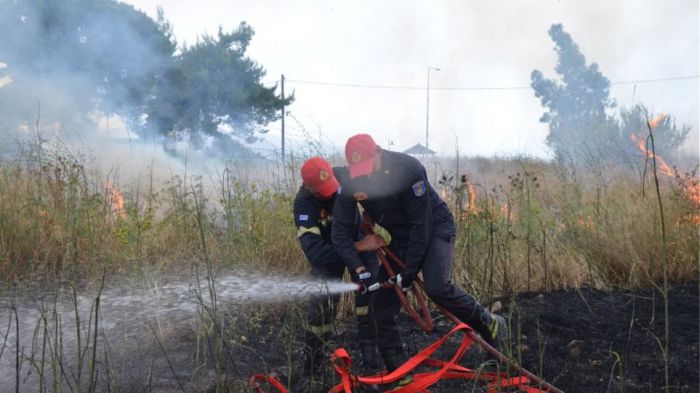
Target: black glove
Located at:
point(404, 280)
point(368, 281)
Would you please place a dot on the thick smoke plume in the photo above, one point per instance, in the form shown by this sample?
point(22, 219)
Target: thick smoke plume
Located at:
point(67, 66)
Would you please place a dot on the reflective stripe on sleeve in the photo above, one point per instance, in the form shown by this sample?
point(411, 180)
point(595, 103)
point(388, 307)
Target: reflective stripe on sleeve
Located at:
point(303, 230)
point(494, 328)
point(361, 311)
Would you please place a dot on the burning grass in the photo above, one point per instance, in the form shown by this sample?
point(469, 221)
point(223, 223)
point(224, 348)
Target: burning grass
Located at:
point(567, 232)
point(523, 224)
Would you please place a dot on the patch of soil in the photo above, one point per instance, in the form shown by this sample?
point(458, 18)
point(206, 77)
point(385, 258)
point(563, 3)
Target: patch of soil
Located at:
point(597, 341)
point(582, 340)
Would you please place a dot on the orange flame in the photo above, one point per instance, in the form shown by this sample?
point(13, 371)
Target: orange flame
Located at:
point(507, 211)
point(691, 187)
point(472, 207)
point(472, 197)
point(663, 167)
point(693, 191)
point(116, 199)
point(655, 121)
point(586, 222)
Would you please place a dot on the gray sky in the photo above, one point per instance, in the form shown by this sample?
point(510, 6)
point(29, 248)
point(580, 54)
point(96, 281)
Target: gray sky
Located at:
point(476, 43)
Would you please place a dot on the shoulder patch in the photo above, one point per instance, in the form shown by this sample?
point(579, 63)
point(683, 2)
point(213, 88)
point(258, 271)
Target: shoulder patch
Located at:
point(419, 188)
point(303, 217)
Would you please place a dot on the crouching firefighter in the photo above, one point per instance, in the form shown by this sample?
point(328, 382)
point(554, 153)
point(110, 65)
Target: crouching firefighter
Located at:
point(393, 189)
point(313, 212)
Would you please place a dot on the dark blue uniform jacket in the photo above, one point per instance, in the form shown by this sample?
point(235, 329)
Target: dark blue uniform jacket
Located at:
point(313, 218)
point(400, 199)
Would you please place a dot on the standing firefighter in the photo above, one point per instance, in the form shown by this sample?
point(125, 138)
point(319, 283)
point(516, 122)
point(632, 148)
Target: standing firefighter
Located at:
point(313, 213)
point(394, 190)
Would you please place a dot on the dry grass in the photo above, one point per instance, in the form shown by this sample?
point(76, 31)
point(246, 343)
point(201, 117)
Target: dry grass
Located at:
point(522, 225)
point(531, 225)
point(539, 226)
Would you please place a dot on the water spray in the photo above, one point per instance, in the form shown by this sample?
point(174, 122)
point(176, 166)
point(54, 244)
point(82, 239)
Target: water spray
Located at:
point(128, 311)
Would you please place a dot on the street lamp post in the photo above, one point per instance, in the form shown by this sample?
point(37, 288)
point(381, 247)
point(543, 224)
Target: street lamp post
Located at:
point(427, 111)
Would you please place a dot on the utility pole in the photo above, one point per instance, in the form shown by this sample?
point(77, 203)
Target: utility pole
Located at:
point(283, 118)
point(427, 112)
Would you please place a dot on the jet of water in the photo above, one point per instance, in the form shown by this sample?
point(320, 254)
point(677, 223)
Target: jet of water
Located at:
point(128, 311)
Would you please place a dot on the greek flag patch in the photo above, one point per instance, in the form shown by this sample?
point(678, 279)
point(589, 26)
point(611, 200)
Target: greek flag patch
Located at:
point(303, 217)
point(419, 188)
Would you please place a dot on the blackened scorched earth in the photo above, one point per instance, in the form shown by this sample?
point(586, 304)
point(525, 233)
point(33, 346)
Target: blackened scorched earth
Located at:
point(583, 340)
point(587, 340)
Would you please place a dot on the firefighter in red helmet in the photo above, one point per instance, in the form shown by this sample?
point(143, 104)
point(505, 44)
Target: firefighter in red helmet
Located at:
point(313, 215)
point(393, 189)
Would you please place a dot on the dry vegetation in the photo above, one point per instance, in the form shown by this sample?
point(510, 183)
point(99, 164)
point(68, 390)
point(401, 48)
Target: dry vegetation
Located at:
point(522, 224)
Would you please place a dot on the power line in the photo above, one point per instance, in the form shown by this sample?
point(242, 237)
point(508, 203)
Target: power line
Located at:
point(396, 87)
point(422, 88)
point(672, 78)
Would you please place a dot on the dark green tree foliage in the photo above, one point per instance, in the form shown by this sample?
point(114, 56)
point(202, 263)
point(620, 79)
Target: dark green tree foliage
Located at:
point(79, 57)
point(216, 87)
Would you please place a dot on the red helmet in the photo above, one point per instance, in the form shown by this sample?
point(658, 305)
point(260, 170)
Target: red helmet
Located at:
point(360, 151)
point(318, 174)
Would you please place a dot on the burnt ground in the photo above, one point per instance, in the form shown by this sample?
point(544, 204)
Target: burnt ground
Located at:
point(579, 340)
point(573, 339)
point(584, 331)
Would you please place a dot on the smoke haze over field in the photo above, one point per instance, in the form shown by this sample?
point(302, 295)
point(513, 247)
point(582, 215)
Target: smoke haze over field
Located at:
point(475, 43)
point(64, 62)
point(391, 44)
point(67, 66)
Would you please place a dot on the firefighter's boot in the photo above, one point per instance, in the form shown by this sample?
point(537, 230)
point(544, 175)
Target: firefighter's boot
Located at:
point(393, 359)
point(498, 330)
point(491, 327)
point(369, 366)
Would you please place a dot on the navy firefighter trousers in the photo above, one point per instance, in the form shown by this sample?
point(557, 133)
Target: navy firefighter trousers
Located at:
point(436, 267)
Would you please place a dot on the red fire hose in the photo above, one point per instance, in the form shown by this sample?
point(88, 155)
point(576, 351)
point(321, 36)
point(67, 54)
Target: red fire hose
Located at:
point(448, 369)
point(422, 317)
point(426, 323)
point(496, 382)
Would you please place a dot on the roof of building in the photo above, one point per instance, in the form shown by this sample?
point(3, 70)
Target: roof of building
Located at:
point(418, 149)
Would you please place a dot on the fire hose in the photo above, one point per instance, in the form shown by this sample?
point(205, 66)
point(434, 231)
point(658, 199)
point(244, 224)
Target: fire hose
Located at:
point(341, 363)
point(526, 382)
point(426, 323)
